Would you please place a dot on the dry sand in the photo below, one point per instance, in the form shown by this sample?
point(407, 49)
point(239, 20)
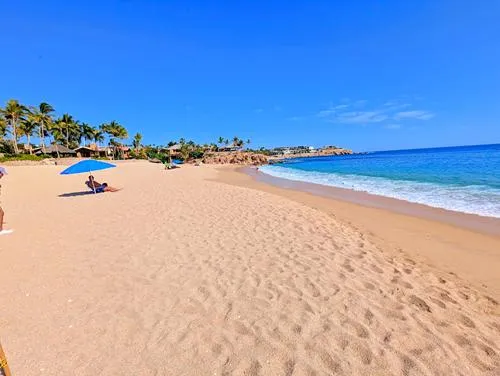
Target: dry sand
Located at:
point(179, 274)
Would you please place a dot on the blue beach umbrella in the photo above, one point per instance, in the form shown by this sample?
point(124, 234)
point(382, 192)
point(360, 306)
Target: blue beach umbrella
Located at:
point(87, 166)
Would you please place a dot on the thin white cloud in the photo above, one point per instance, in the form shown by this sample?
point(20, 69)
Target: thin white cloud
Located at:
point(393, 126)
point(340, 107)
point(360, 103)
point(419, 115)
point(332, 110)
point(350, 113)
point(326, 113)
point(361, 117)
point(395, 104)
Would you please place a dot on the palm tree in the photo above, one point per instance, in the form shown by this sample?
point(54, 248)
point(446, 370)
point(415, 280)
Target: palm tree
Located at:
point(237, 142)
point(182, 141)
point(56, 130)
point(27, 128)
point(86, 132)
point(14, 112)
point(248, 141)
point(42, 115)
point(3, 127)
point(119, 131)
point(220, 141)
point(114, 131)
point(103, 128)
point(137, 141)
point(97, 136)
point(185, 150)
point(69, 129)
point(226, 141)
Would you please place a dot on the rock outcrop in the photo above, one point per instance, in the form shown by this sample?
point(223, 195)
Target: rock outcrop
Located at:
point(238, 158)
point(321, 153)
point(335, 151)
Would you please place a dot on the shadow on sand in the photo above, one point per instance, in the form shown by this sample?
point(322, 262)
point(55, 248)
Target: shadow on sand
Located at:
point(76, 194)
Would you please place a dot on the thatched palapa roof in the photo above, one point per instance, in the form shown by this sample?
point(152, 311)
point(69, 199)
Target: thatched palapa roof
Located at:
point(53, 149)
point(175, 147)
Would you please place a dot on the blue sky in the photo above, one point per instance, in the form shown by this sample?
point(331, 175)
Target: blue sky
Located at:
point(369, 75)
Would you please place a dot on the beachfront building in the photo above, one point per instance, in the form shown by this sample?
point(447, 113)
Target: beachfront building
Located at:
point(287, 150)
point(93, 151)
point(123, 152)
point(56, 150)
point(174, 150)
point(86, 152)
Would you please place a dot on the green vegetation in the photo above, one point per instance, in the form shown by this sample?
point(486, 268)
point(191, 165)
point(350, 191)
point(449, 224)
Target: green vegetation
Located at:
point(136, 143)
point(18, 121)
point(21, 122)
point(22, 157)
point(264, 151)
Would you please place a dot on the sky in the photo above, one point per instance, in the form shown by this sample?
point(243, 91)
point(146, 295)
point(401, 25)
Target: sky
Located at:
point(367, 74)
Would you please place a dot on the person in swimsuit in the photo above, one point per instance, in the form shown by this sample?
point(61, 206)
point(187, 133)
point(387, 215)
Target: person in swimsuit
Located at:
point(98, 187)
point(3, 231)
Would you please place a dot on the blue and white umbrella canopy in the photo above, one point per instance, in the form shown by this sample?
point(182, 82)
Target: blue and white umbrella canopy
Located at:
point(87, 166)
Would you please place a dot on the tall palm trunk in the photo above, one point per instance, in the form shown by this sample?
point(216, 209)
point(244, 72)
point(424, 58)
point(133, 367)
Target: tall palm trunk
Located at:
point(29, 143)
point(42, 138)
point(57, 148)
point(14, 136)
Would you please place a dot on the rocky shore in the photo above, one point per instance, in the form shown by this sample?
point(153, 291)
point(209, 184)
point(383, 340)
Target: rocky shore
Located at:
point(257, 159)
point(237, 158)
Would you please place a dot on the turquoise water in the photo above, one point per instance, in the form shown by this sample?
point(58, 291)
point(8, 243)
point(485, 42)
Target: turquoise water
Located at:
point(465, 178)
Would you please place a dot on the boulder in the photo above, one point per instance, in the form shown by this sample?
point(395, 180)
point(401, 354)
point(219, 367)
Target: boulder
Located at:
point(238, 158)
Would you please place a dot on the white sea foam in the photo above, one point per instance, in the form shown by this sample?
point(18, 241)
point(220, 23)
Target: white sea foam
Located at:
point(476, 199)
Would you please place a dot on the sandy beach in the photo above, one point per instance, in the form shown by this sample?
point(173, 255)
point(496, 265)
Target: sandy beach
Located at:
point(205, 271)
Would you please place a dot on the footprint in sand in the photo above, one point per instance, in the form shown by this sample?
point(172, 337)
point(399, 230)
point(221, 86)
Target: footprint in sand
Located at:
point(467, 321)
point(369, 317)
point(377, 269)
point(348, 267)
point(420, 303)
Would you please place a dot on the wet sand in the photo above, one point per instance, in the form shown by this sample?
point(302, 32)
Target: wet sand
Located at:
point(196, 271)
point(452, 242)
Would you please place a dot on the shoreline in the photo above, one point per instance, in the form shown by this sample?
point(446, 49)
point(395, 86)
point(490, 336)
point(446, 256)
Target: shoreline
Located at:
point(457, 243)
point(445, 197)
point(474, 222)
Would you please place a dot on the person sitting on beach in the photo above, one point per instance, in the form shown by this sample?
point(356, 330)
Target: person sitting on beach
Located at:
point(170, 166)
point(98, 187)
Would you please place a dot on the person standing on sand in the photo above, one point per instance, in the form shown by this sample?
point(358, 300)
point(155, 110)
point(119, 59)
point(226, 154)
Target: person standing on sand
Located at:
point(3, 172)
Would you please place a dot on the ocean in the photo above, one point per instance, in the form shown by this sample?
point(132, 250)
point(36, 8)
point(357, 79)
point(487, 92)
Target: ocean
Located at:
point(462, 178)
